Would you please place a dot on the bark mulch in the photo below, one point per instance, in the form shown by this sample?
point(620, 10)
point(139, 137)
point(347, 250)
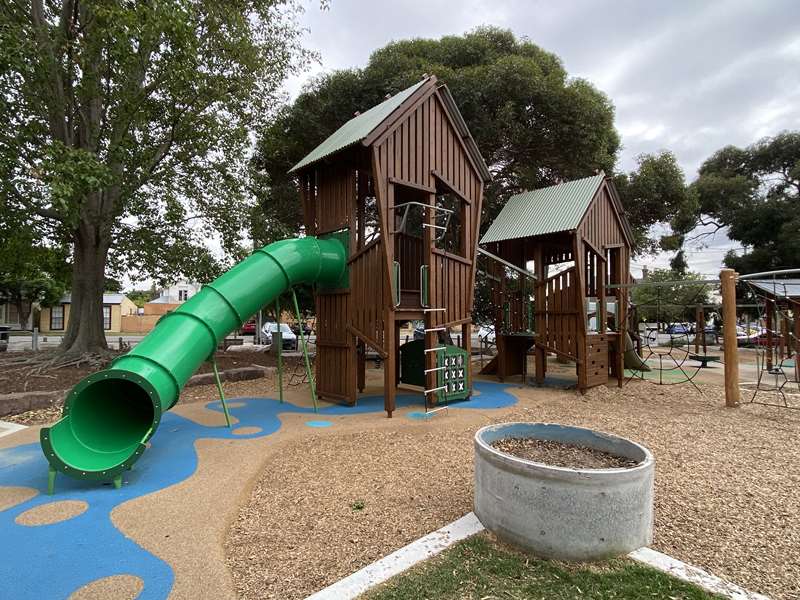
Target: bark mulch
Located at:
point(727, 481)
point(557, 454)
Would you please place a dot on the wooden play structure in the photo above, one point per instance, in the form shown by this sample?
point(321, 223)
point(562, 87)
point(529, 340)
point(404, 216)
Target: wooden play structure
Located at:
point(579, 241)
point(401, 184)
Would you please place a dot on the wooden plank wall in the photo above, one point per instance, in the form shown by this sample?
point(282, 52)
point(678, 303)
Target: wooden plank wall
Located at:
point(450, 288)
point(368, 286)
point(419, 144)
point(335, 364)
point(336, 189)
point(557, 323)
point(600, 225)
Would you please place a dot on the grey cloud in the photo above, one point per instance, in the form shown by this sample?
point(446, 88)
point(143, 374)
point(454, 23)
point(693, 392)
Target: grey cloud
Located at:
point(686, 76)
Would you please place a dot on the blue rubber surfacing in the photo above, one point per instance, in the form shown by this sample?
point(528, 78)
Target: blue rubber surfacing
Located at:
point(53, 561)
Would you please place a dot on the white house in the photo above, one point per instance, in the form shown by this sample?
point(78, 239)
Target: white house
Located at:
point(177, 293)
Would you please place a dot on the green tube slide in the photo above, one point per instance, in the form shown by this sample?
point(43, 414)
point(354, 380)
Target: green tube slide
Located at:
point(632, 359)
point(110, 414)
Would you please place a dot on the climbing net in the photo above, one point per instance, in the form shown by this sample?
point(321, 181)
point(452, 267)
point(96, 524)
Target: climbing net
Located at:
point(665, 352)
point(776, 345)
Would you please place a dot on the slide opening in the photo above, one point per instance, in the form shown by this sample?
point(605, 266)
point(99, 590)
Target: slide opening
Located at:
point(111, 415)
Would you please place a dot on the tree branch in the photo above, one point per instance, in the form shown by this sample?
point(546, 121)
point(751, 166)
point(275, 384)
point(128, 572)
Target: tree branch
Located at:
point(57, 102)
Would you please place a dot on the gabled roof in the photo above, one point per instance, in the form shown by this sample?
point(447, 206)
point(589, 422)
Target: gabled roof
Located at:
point(357, 128)
point(546, 210)
point(778, 288)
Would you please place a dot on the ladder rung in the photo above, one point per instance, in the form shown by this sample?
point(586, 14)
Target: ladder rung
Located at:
point(435, 329)
point(444, 387)
point(434, 226)
point(436, 369)
point(434, 309)
point(433, 410)
point(435, 349)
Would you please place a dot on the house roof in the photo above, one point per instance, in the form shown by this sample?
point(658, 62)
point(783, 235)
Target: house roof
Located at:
point(779, 288)
point(107, 298)
point(546, 210)
point(357, 128)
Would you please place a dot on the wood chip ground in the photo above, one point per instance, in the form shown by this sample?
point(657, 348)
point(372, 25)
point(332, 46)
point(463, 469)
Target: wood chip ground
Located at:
point(727, 483)
point(557, 454)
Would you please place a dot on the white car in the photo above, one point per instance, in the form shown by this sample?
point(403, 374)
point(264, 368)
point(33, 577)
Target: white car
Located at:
point(486, 335)
point(289, 337)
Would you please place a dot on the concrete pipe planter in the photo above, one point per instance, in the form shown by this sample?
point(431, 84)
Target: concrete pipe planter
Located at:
point(564, 513)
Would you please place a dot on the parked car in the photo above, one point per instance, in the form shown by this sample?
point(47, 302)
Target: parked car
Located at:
point(289, 337)
point(486, 335)
point(249, 328)
point(678, 329)
point(306, 329)
point(419, 332)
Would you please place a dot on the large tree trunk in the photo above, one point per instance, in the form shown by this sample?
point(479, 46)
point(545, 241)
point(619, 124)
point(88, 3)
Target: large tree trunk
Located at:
point(85, 331)
point(23, 312)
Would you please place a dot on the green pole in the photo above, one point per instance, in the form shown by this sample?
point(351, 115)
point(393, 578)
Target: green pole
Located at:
point(305, 352)
point(219, 389)
point(280, 347)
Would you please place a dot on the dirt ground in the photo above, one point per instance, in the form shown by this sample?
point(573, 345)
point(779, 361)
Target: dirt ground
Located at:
point(332, 502)
point(20, 378)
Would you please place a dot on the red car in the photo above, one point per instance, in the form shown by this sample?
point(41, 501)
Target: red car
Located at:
point(249, 328)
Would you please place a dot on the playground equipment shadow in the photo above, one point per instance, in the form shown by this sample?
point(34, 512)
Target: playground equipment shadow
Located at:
point(54, 560)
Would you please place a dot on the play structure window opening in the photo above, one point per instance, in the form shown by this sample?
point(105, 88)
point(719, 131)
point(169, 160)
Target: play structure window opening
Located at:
point(451, 216)
point(371, 226)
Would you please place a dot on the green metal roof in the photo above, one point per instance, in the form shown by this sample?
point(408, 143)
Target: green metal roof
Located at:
point(547, 210)
point(357, 128)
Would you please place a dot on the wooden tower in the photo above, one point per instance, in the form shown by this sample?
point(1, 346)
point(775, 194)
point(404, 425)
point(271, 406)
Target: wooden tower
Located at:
point(402, 185)
point(579, 241)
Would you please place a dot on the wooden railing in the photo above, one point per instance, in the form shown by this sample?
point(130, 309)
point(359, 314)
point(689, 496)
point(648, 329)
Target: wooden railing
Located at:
point(557, 321)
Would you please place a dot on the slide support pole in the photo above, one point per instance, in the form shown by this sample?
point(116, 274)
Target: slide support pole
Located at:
point(219, 389)
point(305, 352)
point(280, 347)
point(51, 481)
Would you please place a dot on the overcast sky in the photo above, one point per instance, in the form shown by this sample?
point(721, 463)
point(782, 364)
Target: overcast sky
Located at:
point(687, 76)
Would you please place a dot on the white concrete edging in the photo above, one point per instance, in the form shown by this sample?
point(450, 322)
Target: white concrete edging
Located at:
point(432, 544)
point(692, 574)
point(400, 560)
point(7, 428)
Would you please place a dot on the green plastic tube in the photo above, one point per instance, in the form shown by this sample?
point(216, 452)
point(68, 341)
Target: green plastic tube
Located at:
point(110, 414)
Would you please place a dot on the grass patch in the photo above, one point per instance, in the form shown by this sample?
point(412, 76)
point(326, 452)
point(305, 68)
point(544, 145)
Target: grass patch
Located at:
point(478, 568)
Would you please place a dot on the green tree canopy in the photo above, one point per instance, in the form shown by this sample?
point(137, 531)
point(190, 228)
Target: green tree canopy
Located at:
point(30, 273)
point(534, 125)
point(125, 131)
point(655, 192)
point(754, 192)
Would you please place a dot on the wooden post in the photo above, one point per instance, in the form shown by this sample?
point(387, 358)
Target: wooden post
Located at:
point(389, 365)
point(783, 348)
point(397, 352)
point(466, 338)
point(540, 327)
point(361, 365)
point(797, 340)
point(770, 324)
point(728, 284)
point(697, 319)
